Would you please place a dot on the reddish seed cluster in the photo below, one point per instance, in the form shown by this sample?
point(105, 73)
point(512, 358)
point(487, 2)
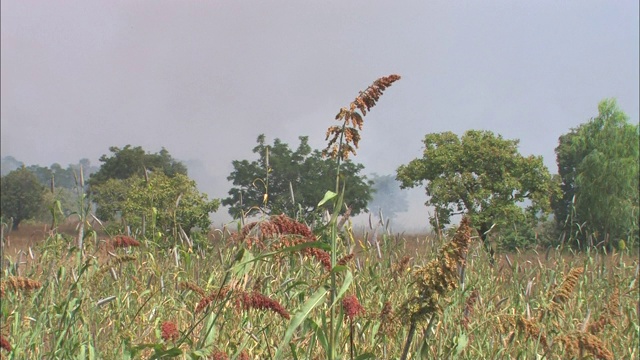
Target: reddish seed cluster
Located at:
point(258, 301)
point(169, 331)
point(288, 233)
point(4, 343)
point(352, 307)
point(344, 260)
point(124, 241)
point(216, 295)
point(244, 355)
point(219, 355)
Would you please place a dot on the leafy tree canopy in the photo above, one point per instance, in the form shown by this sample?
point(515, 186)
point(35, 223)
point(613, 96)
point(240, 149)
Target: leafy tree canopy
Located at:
point(165, 203)
point(129, 161)
point(598, 170)
point(22, 196)
point(388, 197)
point(294, 181)
point(481, 175)
point(8, 164)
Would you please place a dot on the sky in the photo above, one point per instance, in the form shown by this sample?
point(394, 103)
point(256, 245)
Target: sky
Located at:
point(204, 78)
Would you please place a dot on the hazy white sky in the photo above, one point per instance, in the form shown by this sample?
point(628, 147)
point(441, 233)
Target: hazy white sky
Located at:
point(204, 79)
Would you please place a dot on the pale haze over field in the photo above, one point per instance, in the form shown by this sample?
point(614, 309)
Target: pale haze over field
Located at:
point(204, 79)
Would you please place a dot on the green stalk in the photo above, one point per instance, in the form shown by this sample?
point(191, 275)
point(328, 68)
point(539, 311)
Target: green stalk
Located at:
point(334, 235)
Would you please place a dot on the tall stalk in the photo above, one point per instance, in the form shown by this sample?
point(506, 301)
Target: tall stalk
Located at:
point(344, 140)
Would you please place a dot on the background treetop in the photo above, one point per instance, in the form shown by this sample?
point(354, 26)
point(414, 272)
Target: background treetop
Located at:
point(128, 161)
point(283, 180)
point(22, 196)
point(598, 175)
point(479, 174)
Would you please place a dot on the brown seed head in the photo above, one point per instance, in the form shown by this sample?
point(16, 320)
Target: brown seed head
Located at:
point(17, 283)
point(219, 355)
point(532, 330)
point(577, 342)
point(169, 331)
point(388, 320)
point(258, 301)
point(468, 308)
point(123, 241)
point(4, 343)
point(244, 355)
point(563, 293)
point(188, 285)
point(434, 280)
point(352, 307)
point(352, 119)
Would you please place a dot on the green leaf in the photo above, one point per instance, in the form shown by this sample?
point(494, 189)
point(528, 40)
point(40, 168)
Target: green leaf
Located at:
point(348, 278)
point(327, 196)
point(316, 299)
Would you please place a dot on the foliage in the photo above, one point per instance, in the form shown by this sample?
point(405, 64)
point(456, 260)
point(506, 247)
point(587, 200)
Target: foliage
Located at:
point(479, 174)
point(387, 196)
point(126, 299)
point(22, 196)
point(164, 203)
point(8, 164)
point(598, 168)
point(292, 182)
point(129, 161)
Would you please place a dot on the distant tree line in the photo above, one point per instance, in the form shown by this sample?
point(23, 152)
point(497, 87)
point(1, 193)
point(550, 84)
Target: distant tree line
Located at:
point(508, 197)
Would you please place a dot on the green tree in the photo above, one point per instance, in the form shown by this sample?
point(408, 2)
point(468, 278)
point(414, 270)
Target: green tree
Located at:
point(481, 175)
point(292, 182)
point(388, 196)
point(598, 169)
point(22, 196)
point(8, 164)
point(124, 164)
point(129, 161)
point(159, 202)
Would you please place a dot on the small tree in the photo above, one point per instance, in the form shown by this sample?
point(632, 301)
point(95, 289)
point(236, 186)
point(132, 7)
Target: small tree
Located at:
point(289, 181)
point(481, 175)
point(22, 196)
point(598, 168)
point(124, 164)
point(160, 202)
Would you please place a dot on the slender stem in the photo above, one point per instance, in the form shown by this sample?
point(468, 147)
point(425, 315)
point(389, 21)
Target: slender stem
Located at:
point(334, 235)
point(407, 345)
point(351, 336)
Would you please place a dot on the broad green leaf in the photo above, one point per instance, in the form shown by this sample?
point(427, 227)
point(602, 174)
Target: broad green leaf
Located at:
point(348, 278)
point(327, 196)
point(316, 299)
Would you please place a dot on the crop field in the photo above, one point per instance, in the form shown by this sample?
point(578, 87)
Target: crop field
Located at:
point(263, 293)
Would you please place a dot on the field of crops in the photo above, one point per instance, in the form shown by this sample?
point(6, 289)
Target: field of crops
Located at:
point(263, 293)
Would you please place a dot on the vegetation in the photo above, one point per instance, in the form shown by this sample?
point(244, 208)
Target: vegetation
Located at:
point(598, 169)
point(482, 176)
point(227, 300)
point(22, 196)
point(129, 161)
point(279, 289)
point(286, 181)
point(388, 198)
point(111, 184)
point(157, 206)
